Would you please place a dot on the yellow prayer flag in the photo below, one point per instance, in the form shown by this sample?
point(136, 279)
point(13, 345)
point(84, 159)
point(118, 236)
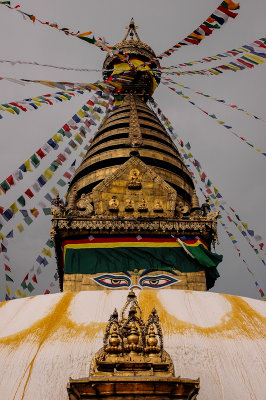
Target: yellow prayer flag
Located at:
point(54, 191)
point(245, 225)
point(37, 103)
point(213, 71)
point(20, 227)
point(19, 293)
point(257, 149)
point(57, 138)
point(258, 59)
point(221, 122)
point(46, 252)
point(239, 227)
point(48, 174)
point(14, 207)
point(2, 236)
point(82, 155)
point(242, 49)
point(233, 67)
point(81, 113)
point(217, 203)
point(215, 190)
point(8, 290)
point(27, 165)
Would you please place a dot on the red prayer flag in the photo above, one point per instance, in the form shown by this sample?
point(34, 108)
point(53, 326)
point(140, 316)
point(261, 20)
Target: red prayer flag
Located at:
point(29, 193)
point(47, 291)
point(229, 218)
point(34, 278)
point(90, 102)
point(26, 278)
point(7, 268)
point(10, 180)
point(227, 12)
point(1, 210)
point(19, 106)
point(245, 63)
point(261, 245)
point(66, 128)
point(67, 175)
point(40, 153)
point(61, 157)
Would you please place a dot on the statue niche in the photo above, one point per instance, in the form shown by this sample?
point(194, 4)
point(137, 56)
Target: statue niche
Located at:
point(129, 205)
point(134, 179)
point(114, 204)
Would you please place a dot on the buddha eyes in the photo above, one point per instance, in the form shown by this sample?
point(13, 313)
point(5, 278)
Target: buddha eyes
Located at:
point(113, 281)
point(157, 281)
point(120, 281)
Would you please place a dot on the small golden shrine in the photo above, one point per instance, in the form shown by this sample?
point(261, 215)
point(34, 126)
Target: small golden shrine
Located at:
point(132, 364)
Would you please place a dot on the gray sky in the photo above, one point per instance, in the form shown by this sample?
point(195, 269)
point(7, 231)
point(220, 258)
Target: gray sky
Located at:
point(235, 168)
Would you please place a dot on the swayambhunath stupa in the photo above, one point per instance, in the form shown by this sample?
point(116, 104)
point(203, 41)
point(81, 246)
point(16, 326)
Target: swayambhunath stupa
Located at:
point(137, 228)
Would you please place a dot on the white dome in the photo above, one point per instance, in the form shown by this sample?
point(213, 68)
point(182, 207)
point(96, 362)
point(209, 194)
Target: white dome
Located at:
point(219, 338)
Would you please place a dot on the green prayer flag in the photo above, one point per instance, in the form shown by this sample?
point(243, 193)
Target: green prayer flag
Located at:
point(61, 131)
point(85, 108)
point(35, 160)
point(5, 186)
point(50, 243)
point(23, 285)
point(61, 182)
point(21, 200)
point(28, 220)
point(8, 279)
point(30, 287)
point(47, 211)
point(93, 40)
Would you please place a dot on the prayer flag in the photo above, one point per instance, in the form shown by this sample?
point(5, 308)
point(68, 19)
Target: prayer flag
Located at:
point(35, 160)
point(20, 227)
point(8, 278)
point(10, 180)
point(27, 165)
point(7, 268)
point(30, 287)
point(47, 210)
point(14, 208)
point(29, 193)
point(8, 290)
point(34, 278)
point(28, 220)
point(40, 153)
point(5, 186)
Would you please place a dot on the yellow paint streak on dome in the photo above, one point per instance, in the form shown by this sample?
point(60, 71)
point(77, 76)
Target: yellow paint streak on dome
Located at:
point(55, 323)
point(241, 320)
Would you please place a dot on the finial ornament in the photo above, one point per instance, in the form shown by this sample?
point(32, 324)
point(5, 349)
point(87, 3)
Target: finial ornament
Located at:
point(131, 30)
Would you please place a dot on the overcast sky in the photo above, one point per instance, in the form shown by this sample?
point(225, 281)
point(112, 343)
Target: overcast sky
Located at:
point(234, 167)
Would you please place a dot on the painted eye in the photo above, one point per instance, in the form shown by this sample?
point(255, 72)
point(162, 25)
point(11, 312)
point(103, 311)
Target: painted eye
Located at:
point(158, 281)
point(113, 281)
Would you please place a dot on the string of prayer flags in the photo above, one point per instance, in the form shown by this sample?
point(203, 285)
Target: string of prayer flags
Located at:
point(87, 36)
point(35, 103)
point(241, 63)
point(213, 116)
point(232, 106)
point(255, 48)
point(53, 144)
point(227, 9)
